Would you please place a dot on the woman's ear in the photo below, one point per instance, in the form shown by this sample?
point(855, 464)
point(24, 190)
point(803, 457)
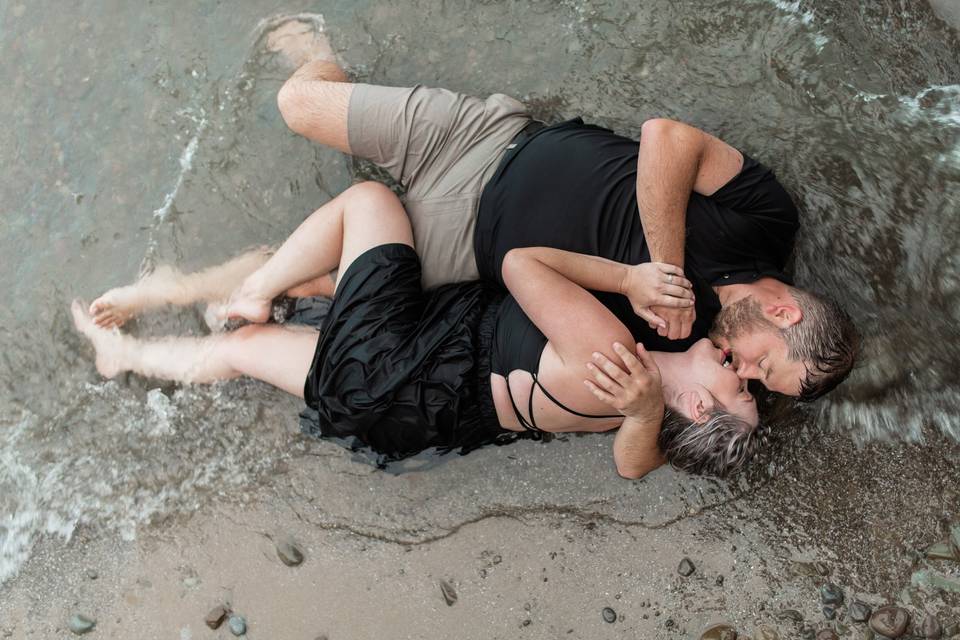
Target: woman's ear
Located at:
point(699, 402)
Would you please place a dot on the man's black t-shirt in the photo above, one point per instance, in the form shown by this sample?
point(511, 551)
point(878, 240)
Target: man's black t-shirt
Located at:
point(573, 186)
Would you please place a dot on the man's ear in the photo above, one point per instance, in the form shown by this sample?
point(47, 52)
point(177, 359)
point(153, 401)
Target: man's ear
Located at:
point(783, 316)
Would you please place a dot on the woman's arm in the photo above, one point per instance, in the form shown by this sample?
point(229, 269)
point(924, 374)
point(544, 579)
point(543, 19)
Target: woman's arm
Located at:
point(551, 286)
point(638, 395)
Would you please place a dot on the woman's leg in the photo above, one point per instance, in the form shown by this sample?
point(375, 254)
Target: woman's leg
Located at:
point(365, 215)
point(280, 356)
point(167, 285)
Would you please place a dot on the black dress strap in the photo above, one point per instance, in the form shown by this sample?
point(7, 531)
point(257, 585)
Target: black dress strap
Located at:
point(531, 424)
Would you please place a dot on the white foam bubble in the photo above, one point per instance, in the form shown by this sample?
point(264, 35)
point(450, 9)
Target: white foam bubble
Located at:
point(806, 17)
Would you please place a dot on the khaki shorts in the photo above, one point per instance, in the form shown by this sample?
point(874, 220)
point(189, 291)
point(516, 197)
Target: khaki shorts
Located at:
point(442, 147)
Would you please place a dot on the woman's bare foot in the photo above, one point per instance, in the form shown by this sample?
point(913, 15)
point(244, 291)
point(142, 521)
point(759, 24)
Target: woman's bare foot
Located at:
point(118, 305)
point(109, 344)
point(300, 39)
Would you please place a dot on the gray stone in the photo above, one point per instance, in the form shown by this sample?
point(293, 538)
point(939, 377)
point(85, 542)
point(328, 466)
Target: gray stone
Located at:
point(931, 627)
point(934, 580)
point(829, 612)
point(609, 615)
point(216, 616)
point(859, 611)
point(191, 582)
point(831, 594)
point(237, 625)
point(449, 593)
point(941, 551)
point(808, 633)
point(81, 624)
point(289, 553)
point(890, 621)
point(790, 614)
point(686, 568)
point(92, 574)
point(720, 631)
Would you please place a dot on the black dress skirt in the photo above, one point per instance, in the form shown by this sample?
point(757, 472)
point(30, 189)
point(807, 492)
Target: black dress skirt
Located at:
point(402, 369)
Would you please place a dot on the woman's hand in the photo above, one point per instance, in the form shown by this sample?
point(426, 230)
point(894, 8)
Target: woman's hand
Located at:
point(656, 284)
point(635, 393)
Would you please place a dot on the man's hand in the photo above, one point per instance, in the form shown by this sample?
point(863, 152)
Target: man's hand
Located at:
point(635, 393)
point(675, 324)
point(657, 285)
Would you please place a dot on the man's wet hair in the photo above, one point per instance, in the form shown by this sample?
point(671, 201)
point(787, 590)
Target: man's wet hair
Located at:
point(718, 444)
point(825, 340)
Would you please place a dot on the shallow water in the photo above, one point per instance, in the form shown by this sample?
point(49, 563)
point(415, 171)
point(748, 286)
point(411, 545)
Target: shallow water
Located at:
point(139, 135)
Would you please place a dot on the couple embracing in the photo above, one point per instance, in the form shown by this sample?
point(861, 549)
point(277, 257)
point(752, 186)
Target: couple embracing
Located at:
point(532, 279)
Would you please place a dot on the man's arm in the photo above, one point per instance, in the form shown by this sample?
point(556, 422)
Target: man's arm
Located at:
point(674, 160)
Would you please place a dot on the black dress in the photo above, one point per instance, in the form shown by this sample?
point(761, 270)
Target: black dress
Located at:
point(402, 369)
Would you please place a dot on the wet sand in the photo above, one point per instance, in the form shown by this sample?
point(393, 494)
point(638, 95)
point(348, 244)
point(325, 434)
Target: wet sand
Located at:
point(531, 547)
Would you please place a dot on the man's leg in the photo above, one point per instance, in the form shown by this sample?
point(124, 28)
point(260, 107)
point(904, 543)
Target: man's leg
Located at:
point(315, 102)
point(280, 356)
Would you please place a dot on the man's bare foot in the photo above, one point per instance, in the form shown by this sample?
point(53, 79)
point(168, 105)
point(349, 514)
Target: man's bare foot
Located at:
point(300, 39)
point(118, 305)
point(109, 344)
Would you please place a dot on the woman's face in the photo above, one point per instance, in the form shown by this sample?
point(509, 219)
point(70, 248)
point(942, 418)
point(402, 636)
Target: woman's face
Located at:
point(710, 382)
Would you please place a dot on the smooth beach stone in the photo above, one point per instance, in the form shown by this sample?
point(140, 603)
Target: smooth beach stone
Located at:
point(238, 626)
point(92, 574)
point(831, 594)
point(859, 611)
point(826, 634)
point(216, 616)
point(609, 615)
point(449, 593)
point(686, 568)
point(289, 553)
point(719, 632)
point(890, 621)
point(931, 627)
point(81, 624)
point(790, 614)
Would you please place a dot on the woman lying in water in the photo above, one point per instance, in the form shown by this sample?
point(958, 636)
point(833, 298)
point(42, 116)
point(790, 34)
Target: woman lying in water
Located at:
point(404, 369)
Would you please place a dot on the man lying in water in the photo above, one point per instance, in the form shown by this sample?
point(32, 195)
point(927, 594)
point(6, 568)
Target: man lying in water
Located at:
point(482, 178)
point(404, 369)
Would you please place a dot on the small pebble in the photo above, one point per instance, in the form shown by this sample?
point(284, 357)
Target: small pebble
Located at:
point(81, 624)
point(829, 612)
point(216, 616)
point(720, 581)
point(609, 615)
point(92, 574)
point(859, 611)
point(191, 582)
point(931, 627)
point(449, 593)
point(686, 568)
point(527, 622)
point(790, 614)
point(719, 632)
point(808, 633)
point(767, 633)
point(497, 559)
point(826, 634)
point(831, 594)
point(890, 621)
point(238, 626)
point(669, 623)
point(289, 553)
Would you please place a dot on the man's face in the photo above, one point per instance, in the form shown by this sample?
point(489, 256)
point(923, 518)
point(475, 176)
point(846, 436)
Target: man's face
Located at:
point(758, 348)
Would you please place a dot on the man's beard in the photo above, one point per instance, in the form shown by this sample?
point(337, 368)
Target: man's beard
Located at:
point(742, 317)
